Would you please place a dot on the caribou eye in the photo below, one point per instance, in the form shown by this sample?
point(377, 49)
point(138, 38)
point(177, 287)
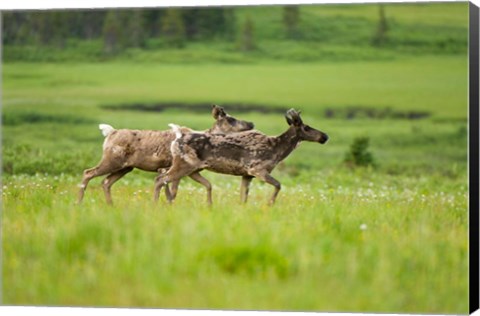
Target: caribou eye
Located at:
point(307, 128)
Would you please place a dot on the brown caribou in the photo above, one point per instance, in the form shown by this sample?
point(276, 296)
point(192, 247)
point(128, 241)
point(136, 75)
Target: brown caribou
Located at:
point(149, 150)
point(249, 154)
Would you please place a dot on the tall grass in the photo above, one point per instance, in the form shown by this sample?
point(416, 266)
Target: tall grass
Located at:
point(375, 244)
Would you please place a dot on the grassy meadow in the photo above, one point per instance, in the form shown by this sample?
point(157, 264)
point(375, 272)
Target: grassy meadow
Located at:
point(391, 237)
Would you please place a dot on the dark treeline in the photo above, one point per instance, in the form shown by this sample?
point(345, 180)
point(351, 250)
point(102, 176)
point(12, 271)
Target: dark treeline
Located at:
point(110, 33)
point(119, 28)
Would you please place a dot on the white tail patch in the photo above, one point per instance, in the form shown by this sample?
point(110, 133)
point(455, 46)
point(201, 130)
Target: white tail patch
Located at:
point(176, 129)
point(178, 133)
point(106, 129)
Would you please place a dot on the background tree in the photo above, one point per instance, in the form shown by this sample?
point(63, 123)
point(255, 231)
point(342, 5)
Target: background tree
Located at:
point(90, 23)
point(247, 40)
point(190, 21)
point(229, 28)
point(173, 28)
point(42, 26)
point(17, 28)
point(291, 19)
point(209, 23)
point(152, 20)
point(111, 32)
point(380, 36)
point(136, 34)
point(50, 28)
point(59, 28)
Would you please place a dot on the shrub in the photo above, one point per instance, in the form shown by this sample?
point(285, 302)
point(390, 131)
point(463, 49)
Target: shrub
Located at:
point(359, 156)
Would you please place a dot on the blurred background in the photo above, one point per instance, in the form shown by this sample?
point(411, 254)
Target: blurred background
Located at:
point(292, 33)
point(395, 74)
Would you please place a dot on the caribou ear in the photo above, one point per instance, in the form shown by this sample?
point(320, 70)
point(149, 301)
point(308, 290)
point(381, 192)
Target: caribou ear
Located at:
point(217, 111)
point(293, 117)
point(289, 118)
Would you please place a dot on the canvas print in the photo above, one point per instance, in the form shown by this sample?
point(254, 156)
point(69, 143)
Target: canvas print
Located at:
point(278, 158)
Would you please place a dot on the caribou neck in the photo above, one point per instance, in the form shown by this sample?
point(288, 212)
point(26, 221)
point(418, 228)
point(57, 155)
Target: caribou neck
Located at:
point(286, 143)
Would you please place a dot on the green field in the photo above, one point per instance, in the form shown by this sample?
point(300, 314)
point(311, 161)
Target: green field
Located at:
point(309, 252)
point(390, 238)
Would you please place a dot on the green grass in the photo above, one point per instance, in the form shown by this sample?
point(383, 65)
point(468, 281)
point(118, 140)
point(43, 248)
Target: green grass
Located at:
point(387, 244)
point(437, 85)
point(401, 147)
point(383, 238)
point(54, 124)
point(391, 238)
point(446, 14)
point(356, 24)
